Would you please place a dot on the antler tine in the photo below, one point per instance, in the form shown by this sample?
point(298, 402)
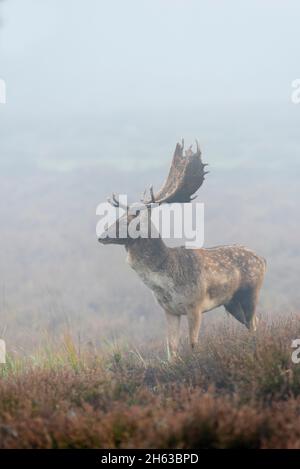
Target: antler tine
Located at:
point(189, 151)
point(198, 146)
point(143, 195)
point(111, 202)
point(152, 194)
point(115, 202)
point(152, 197)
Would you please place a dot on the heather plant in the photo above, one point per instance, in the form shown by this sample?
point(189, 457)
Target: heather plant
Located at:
point(237, 390)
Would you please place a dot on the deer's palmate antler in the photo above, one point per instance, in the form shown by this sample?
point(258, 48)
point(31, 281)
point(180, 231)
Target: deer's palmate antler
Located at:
point(185, 177)
point(192, 282)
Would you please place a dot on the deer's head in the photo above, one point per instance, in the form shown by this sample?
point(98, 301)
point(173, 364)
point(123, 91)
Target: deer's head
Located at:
point(185, 177)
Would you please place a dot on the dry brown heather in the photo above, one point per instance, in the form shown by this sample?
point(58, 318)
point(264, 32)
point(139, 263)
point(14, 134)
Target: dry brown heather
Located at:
point(237, 391)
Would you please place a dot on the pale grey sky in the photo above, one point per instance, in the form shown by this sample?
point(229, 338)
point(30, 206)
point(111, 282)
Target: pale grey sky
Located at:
point(89, 75)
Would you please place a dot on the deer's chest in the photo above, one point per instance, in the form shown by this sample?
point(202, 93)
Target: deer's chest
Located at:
point(168, 294)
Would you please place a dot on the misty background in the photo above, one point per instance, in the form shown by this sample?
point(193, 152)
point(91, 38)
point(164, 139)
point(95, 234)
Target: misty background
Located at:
point(98, 94)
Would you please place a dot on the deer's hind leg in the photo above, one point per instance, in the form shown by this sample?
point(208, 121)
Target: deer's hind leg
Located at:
point(243, 307)
point(249, 300)
point(235, 308)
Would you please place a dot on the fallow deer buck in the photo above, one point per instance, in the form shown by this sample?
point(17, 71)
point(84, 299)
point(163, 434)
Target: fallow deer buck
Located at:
point(191, 281)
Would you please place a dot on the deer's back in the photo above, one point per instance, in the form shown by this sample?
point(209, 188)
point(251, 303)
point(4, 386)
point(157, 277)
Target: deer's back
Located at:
point(235, 261)
point(207, 278)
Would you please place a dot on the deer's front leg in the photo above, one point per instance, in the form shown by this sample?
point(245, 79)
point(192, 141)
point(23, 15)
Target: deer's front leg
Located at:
point(173, 323)
point(194, 321)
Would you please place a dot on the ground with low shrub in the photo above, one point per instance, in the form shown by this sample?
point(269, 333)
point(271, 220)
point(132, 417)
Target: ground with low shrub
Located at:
point(238, 390)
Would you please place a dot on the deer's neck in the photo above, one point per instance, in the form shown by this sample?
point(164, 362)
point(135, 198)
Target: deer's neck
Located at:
point(147, 254)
